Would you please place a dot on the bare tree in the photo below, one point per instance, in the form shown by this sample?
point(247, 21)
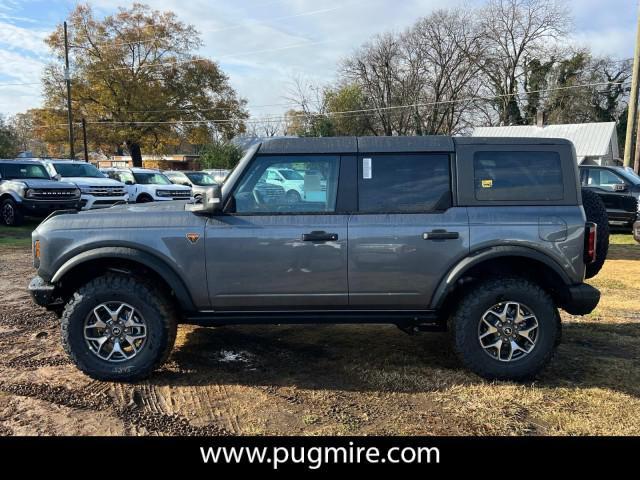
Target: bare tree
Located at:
point(266, 127)
point(512, 31)
point(446, 48)
point(387, 81)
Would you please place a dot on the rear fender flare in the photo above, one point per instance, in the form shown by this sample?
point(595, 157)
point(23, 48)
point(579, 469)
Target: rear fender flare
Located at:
point(448, 282)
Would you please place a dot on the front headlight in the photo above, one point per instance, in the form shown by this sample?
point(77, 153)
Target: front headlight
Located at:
point(77, 192)
point(163, 193)
point(30, 193)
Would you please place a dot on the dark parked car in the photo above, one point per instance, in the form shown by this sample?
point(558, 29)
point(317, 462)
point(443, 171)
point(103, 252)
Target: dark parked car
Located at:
point(26, 189)
point(619, 189)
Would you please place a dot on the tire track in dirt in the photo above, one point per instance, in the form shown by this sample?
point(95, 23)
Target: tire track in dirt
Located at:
point(132, 415)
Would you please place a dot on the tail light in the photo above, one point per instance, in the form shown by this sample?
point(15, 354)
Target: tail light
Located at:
point(590, 239)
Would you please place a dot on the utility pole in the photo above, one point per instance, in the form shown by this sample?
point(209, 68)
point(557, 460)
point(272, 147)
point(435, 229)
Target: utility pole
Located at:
point(633, 99)
point(67, 77)
point(84, 139)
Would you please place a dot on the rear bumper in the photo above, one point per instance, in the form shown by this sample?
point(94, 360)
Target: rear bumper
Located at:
point(621, 218)
point(582, 299)
point(41, 291)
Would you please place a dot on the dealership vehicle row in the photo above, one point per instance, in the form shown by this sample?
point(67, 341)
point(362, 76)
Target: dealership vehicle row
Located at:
point(39, 187)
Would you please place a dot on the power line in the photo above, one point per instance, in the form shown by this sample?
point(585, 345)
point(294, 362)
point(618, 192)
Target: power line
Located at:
point(349, 113)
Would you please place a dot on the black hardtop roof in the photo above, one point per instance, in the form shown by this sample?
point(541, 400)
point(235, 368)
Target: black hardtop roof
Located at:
point(373, 144)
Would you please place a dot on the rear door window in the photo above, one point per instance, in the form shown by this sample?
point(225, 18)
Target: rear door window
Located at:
point(404, 183)
point(517, 176)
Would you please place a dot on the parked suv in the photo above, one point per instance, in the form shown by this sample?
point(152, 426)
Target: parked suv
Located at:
point(619, 189)
point(484, 237)
point(26, 189)
point(198, 181)
point(98, 191)
point(147, 185)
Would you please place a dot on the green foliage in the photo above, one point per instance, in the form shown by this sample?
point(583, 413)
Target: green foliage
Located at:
point(155, 95)
point(347, 98)
point(220, 155)
point(8, 141)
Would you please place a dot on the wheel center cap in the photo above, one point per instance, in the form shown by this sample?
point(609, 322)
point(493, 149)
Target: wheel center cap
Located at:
point(116, 331)
point(507, 330)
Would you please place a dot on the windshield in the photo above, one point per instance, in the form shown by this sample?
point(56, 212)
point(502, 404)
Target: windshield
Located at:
point(12, 171)
point(77, 170)
point(630, 175)
point(201, 178)
point(123, 177)
point(291, 175)
point(151, 178)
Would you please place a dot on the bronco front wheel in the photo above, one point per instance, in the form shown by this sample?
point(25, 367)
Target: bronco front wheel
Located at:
point(118, 328)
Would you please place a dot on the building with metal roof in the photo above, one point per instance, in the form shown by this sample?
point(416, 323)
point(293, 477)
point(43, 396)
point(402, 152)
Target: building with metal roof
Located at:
point(595, 143)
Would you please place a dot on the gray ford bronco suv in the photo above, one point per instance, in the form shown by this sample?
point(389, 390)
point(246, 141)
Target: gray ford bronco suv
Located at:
point(485, 238)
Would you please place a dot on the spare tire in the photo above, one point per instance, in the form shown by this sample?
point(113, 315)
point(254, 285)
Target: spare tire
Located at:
point(597, 213)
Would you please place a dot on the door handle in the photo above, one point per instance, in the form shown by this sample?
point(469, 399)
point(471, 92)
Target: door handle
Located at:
point(440, 235)
point(319, 236)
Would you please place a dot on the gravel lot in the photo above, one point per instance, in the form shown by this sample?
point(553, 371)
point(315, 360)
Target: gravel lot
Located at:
point(322, 379)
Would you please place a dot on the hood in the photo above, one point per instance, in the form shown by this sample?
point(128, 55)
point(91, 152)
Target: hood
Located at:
point(39, 183)
point(93, 181)
point(136, 216)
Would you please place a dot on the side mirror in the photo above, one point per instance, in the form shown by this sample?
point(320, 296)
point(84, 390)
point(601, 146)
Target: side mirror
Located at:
point(210, 203)
point(57, 177)
point(619, 187)
point(186, 184)
point(128, 182)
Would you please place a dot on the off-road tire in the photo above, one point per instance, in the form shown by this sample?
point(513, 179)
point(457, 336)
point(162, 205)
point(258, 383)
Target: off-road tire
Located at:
point(293, 196)
point(158, 311)
point(465, 319)
point(596, 212)
point(17, 218)
point(144, 198)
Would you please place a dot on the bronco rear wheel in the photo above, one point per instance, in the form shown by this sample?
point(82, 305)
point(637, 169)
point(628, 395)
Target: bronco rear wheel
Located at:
point(506, 329)
point(118, 328)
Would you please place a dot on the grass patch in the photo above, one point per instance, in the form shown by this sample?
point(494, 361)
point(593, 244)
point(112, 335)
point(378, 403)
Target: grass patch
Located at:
point(622, 239)
point(18, 236)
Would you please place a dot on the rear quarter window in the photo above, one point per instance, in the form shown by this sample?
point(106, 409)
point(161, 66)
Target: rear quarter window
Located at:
point(517, 176)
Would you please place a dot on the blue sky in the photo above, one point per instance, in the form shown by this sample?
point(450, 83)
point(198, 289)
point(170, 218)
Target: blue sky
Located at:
point(263, 44)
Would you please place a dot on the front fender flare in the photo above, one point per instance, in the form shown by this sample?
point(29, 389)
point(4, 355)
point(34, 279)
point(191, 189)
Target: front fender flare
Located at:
point(148, 260)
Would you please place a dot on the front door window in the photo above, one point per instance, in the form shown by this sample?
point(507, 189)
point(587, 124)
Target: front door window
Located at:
point(295, 184)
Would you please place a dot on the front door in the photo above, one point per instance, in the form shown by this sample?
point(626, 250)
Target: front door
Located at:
point(407, 234)
point(277, 250)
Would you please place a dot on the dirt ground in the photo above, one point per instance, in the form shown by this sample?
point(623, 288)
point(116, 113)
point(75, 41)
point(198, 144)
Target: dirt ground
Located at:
point(312, 380)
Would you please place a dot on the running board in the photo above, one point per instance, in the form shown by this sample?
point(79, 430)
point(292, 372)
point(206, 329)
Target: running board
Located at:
point(422, 320)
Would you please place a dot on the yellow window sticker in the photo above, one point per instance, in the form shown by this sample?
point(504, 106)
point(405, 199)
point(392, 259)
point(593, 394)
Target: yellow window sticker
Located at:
point(487, 183)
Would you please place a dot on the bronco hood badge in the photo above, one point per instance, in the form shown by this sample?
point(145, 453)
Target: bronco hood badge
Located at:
point(193, 237)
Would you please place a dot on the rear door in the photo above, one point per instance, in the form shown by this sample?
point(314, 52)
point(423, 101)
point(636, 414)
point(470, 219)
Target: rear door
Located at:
point(406, 233)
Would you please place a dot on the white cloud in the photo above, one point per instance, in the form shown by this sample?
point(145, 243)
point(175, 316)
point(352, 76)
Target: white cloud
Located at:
point(239, 33)
point(20, 38)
